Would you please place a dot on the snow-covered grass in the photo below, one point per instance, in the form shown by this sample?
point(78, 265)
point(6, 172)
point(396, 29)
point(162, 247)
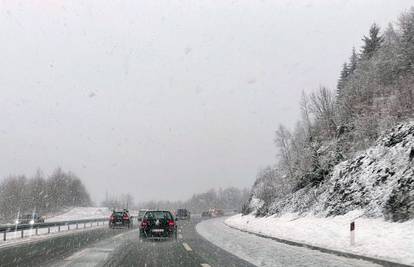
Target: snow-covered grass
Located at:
point(81, 213)
point(374, 237)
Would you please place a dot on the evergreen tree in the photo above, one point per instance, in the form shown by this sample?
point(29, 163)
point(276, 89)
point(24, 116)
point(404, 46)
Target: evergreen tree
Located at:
point(407, 40)
point(353, 61)
point(342, 79)
point(372, 42)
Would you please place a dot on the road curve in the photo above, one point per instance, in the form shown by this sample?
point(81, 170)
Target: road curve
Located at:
point(125, 249)
point(213, 244)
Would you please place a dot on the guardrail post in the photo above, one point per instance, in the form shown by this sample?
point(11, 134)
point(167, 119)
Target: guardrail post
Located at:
point(48, 230)
point(59, 228)
point(352, 235)
point(76, 226)
point(22, 233)
point(37, 228)
point(4, 235)
point(68, 227)
point(84, 225)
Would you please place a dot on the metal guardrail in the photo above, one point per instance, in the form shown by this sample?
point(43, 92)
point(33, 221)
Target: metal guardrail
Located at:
point(36, 226)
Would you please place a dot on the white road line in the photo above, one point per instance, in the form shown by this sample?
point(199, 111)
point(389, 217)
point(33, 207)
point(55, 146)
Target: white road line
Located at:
point(76, 255)
point(205, 265)
point(118, 236)
point(187, 247)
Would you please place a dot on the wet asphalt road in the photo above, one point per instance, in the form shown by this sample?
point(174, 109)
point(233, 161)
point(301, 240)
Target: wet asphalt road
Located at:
point(125, 249)
point(122, 247)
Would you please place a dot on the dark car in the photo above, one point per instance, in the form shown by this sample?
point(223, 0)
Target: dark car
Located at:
point(158, 224)
point(30, 218)
point(205, 214)
point(182, 214)
point(120, 219)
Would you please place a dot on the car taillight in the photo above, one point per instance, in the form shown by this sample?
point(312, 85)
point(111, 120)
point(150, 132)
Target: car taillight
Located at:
point(125, 217)
point(112, 218)
point(144, 224)
point(171, 223)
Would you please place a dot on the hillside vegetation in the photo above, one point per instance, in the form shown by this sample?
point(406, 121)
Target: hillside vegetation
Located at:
point(347, 152)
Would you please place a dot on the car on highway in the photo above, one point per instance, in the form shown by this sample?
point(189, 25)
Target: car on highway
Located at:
point(141, 214)
point(158, 224)
point(29, 218)
point(182, 214)
point(205, 214)
point(120, 218)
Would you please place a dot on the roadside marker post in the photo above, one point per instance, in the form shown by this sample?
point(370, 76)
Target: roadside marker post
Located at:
point(352, 230)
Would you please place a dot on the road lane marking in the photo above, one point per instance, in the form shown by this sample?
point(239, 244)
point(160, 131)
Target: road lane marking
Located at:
point(187, 247)
point(180, 236)
point(76, 255)
point(205, 265)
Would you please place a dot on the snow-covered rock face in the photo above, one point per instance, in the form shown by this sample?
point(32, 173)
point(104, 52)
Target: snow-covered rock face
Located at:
point(379, 181)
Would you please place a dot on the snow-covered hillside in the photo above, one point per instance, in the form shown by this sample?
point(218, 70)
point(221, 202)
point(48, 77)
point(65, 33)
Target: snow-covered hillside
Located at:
point(379, 181)
point(80, 213)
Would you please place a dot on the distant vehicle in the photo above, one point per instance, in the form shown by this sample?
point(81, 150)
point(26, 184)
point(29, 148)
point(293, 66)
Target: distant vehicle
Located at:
point(205, 214)
point(219, 212)
point(141, 214)
point(30, 218)
point(120, 219)
point(182, 214)
point(215, 212)
point(158, 224)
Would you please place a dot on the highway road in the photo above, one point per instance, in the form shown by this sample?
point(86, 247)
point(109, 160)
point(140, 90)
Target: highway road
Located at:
point(122, 247)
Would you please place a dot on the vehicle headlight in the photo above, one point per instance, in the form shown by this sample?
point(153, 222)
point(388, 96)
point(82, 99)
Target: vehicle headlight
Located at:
point(31, 222)
point(17, 221)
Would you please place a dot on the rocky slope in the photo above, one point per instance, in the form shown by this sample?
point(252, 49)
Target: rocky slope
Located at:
point(379, 181)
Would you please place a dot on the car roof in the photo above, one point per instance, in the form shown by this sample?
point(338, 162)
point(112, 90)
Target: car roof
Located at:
point(158, 211)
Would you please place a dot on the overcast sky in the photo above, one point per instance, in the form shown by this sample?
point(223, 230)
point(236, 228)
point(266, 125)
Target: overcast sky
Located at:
point(163, 99)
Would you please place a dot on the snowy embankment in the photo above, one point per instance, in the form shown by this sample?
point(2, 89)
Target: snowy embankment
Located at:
point(81, 213)
point(266, 252)
point(375, 238)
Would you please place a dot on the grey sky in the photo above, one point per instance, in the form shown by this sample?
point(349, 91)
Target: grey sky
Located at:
point(163, 99)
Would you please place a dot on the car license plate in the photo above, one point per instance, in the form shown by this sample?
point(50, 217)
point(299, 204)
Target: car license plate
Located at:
point(157, 230)
point(118, 223)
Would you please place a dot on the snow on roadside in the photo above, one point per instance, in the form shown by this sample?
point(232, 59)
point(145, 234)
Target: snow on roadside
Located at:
point(374, 237)
point(266, 252)
point(81, 213)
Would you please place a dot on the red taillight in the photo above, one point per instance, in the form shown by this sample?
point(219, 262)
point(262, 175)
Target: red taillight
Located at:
point(171, 223)
point(126, 217)
point(144, 224)
point(112, 218)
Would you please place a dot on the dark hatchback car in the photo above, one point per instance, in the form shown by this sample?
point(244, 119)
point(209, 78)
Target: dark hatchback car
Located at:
point(182, 214)
point(158, 224)
point(119, 219)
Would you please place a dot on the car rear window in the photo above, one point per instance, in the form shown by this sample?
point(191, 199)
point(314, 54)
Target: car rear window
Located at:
point(158, 215)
